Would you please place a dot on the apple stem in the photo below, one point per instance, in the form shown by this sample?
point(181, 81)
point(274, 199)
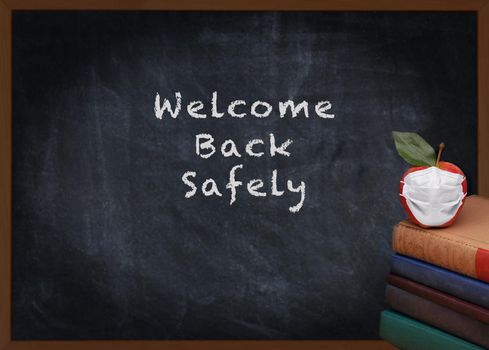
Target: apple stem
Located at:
point(440, 149)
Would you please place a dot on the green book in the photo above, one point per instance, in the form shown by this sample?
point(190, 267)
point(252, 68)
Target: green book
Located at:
point(408, 334)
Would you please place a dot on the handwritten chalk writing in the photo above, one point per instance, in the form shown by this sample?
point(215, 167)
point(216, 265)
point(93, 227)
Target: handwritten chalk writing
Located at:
point(295, 109)
point(193, 107)
point(249, 147)
point(215, 113)
point(264, 114)
point(207, 147)
point(239, 108)
point(159, 109)
point(204, 145)
point(228, 148)
point(189, 183)
point(323, 106)
point(255, 187)
point(233, 105)
point(212, 190)
point(280, 150)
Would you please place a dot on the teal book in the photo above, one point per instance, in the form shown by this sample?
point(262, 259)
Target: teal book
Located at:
point(408, 334)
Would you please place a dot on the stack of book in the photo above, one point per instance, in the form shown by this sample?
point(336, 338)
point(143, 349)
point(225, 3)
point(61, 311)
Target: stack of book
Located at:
point(438, 287)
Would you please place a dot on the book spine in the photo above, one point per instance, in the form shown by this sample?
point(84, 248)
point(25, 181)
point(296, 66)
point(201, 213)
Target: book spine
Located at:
point(463, 307)
point(448, 253)
point(409, 334)
point(465, 288)
point(482, 264)
point(438, 316)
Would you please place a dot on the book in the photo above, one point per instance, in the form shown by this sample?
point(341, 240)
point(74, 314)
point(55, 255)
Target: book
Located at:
point(468, 309)
point(462, 247)
point(438, 316)
point(409, 334)
point(462, 287)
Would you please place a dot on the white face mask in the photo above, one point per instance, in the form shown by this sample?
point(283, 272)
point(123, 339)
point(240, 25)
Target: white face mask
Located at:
point(433, 195)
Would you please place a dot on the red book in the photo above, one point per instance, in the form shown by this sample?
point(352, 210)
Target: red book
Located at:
point(476, 312)
point(437, 316)
point(462, 247)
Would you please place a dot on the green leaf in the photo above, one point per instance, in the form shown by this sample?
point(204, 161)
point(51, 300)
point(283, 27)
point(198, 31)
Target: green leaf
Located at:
point(414, 149)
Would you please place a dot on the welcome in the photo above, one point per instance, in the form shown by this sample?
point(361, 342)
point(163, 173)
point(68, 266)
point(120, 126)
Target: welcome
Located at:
point(238, 108)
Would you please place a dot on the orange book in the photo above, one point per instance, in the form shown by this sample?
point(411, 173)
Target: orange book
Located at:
point(462, 247)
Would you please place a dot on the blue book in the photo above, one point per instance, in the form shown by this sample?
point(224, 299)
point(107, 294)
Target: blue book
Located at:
point(460, 286)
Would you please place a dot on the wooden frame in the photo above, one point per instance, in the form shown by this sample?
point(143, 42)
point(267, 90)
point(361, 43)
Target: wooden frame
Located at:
point(6, 8)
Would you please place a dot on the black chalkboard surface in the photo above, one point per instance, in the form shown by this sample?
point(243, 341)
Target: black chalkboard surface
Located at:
point(105, 243)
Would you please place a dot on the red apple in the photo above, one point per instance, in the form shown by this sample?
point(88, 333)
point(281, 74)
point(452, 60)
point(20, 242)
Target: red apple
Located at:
point(432, 192)
point(449, 167)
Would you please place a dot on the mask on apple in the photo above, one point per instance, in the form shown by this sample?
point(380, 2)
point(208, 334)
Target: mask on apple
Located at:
point(432, 192)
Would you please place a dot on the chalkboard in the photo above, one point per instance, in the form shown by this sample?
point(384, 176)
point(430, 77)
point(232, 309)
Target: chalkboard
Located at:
point(112, 241)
